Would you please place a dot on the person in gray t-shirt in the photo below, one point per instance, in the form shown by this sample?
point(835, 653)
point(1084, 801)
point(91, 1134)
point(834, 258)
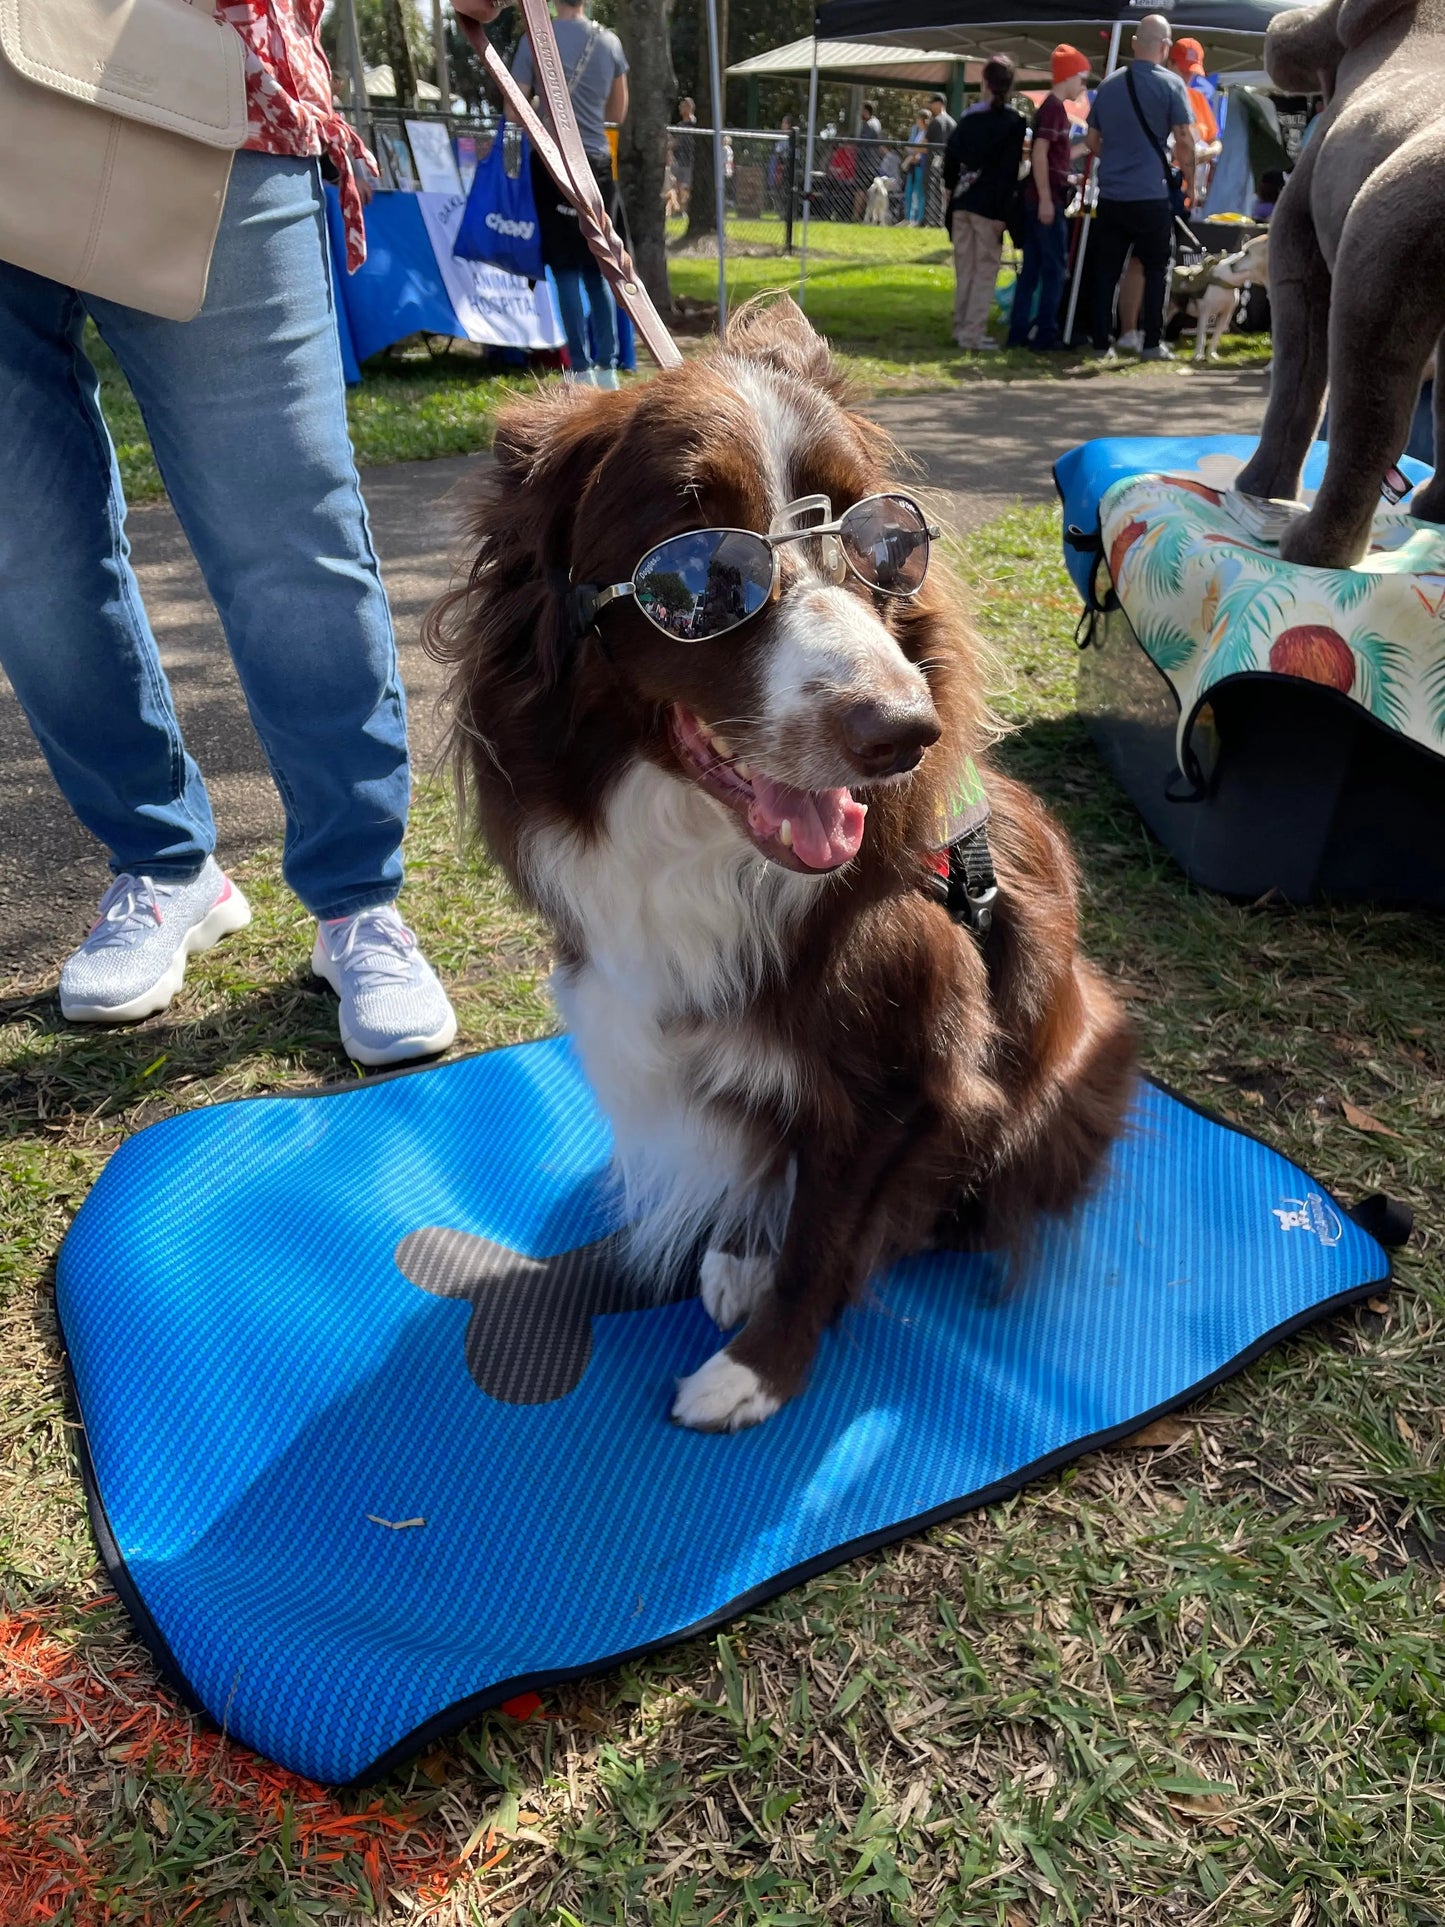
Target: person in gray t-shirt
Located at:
point(596, 71)
point(594, 63)
point(1135, 210)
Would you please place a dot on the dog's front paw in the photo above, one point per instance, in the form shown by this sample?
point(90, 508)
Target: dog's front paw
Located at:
point(733, 1287)
point(723, 1396)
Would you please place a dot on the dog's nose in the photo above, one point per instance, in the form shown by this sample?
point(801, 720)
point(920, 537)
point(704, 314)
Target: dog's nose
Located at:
point(884, 739)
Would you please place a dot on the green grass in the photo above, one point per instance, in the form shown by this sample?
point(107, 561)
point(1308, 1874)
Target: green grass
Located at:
point(883, 296)
point(410, 406)
point(1197, 1682)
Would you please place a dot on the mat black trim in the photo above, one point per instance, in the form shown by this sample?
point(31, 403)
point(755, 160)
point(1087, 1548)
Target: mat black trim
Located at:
point(461, 1711)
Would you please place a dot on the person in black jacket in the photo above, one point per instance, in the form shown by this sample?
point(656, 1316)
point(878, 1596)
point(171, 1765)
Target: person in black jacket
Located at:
point(981, 174)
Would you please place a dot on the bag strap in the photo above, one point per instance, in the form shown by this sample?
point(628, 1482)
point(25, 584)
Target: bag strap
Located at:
point(1153, 139)
point(565, 159)
point(591, 41)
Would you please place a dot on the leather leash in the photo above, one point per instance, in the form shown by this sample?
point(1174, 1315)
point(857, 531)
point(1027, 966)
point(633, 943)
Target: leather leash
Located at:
point(565, 159)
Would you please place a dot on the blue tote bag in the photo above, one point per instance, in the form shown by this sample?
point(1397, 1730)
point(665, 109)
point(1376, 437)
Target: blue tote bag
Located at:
point(500, 223)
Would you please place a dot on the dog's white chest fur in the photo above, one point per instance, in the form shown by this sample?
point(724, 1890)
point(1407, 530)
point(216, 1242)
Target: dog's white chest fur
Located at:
point(679, 922)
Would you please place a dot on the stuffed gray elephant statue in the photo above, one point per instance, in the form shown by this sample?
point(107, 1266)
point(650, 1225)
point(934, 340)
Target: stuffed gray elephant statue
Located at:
point(1357, 264)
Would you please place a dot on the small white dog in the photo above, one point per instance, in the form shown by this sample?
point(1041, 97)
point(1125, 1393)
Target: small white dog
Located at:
point(875, 205)
point(1247, 269)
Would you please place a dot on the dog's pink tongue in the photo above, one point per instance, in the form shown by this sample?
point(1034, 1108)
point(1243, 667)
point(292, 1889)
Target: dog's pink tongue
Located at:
point(827, 825)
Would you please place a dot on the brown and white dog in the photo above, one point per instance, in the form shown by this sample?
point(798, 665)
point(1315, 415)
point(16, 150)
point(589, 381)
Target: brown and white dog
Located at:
point(810, 1068)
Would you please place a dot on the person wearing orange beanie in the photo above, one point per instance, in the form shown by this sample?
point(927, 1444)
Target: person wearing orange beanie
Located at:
point(1186, 57)
point(1046, 195)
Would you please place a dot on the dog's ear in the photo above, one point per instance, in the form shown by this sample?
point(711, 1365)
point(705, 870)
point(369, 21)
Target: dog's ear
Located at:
point(547, 450)
point(517, 518)
point(776, 331)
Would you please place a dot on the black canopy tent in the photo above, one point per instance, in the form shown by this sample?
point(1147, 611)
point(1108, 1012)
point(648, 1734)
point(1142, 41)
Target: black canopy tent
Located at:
point(1229, 30)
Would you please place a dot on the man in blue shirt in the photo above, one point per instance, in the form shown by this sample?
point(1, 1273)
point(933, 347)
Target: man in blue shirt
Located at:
point(1137, 113)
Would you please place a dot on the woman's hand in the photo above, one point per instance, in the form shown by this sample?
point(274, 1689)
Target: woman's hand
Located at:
point(473, 15)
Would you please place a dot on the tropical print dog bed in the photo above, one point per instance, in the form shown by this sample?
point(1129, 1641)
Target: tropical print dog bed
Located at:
point(1209, 601)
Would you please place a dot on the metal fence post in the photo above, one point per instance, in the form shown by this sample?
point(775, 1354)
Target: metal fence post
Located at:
point(808, 175)
point(719, 111)
point(790, 190)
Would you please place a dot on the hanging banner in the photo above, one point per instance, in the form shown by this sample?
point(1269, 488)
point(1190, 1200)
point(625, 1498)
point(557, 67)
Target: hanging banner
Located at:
point(493, 307)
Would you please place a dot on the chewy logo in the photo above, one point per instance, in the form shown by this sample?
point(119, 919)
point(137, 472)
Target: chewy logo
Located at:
point(519, 230)
point(1309, 1213)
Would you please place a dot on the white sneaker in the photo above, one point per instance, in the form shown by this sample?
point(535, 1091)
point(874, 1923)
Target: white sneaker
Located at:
point(1159, 352)
point(392, 1006)
point(606, 378)
point(1132, 343)
point(134, 960)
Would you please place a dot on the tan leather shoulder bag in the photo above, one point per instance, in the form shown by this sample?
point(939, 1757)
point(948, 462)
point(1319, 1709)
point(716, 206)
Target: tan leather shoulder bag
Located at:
point(118, 120)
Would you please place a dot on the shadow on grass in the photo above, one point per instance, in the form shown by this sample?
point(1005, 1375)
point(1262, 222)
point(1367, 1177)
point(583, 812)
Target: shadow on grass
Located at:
point(63, 1074)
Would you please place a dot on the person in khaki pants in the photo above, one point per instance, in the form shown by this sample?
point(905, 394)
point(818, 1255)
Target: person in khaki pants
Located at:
point(981, 173)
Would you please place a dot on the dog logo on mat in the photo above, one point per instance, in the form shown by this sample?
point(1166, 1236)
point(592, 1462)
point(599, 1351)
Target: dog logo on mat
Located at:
point(530, 1333)
point(1310, 1213)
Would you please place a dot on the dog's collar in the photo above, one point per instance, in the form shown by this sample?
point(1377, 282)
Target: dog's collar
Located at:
point(958, 866)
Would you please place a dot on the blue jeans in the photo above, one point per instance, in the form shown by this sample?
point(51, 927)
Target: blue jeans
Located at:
point(913, 193)
point(246, 411)
point(1045, 263)
point(570, 283)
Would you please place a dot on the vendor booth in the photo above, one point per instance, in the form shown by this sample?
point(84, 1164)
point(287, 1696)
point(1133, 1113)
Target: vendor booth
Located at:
point(412, 281)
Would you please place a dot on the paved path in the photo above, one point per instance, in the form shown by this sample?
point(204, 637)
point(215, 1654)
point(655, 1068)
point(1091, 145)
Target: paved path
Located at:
point(987, 445)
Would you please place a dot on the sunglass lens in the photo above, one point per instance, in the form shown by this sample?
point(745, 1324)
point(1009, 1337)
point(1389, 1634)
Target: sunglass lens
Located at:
point(886, 542)
point(701, 585)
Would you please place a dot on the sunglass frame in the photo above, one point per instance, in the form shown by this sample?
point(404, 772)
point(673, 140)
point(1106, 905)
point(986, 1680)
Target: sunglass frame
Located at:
point(591, 602)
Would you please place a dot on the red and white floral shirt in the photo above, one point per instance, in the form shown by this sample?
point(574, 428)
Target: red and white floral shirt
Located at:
point(288, 97)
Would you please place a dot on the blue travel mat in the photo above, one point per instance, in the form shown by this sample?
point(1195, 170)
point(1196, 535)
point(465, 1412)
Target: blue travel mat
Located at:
point(376, 1429)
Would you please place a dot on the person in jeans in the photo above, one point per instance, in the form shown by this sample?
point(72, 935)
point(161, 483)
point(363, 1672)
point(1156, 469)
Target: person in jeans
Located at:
point(246, 411)
point(1046, 195)
point(596, 70)
point(915, 169)
point(981, 173)
point(1134, 208)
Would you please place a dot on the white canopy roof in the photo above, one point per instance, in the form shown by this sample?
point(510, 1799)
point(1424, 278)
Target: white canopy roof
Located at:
point(381, 85)
point(852, 60)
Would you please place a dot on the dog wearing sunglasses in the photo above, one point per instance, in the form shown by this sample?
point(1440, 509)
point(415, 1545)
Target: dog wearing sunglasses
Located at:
point(723, 726)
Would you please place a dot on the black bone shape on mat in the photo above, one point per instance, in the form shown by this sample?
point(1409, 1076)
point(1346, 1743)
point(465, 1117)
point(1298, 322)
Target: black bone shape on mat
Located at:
point(530, 1333)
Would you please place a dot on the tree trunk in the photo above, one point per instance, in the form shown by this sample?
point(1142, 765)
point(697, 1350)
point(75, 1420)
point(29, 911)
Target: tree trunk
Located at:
point(702, 202)
point(644, 29)
point(398, 47)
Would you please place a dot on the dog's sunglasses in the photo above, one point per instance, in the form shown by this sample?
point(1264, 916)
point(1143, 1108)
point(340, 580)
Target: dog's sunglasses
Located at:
point(697, 586)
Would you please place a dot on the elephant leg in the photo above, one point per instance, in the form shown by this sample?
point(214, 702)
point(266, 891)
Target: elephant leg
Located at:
point(1299, 301)
point(1388, 311)
point(1429, 502)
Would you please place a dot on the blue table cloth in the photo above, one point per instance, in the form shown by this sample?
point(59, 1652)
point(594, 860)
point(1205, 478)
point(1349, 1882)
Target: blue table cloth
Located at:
point(398, 290)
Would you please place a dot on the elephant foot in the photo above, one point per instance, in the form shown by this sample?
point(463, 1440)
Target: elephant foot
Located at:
point(1266, 480)
point(1321, 542)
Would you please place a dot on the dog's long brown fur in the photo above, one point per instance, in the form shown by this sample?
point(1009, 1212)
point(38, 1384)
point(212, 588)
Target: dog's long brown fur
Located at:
point(939, 1087)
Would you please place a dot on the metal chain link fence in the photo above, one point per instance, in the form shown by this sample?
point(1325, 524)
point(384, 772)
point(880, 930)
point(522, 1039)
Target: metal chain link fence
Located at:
point(870, 201)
